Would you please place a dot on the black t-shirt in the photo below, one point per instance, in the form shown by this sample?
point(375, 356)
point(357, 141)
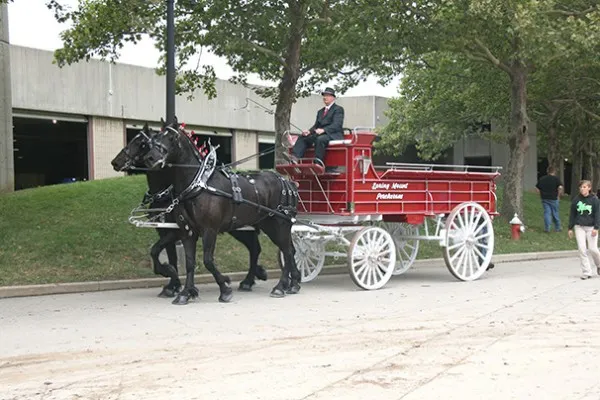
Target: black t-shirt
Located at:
point(548, 187)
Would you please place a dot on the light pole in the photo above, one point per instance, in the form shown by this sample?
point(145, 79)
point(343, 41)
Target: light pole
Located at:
point(170, 117)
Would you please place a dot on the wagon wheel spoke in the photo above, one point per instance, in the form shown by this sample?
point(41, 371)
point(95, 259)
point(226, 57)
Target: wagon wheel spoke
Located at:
point(458, 253)
point(487, 234)
point(472, 262)
point(309, 257)
point(406, 248)
point(371, 257)
point(479, 253)
point(469, 241)
point(455, 245)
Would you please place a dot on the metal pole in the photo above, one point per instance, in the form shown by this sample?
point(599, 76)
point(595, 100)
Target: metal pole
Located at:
point(170, 117)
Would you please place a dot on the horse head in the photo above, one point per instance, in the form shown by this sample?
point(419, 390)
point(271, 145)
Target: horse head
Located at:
point(133, 153)
point(173, 144)
point(164, 147)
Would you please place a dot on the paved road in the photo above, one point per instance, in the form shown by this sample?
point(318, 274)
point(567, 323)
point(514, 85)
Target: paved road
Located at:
point(525, 330)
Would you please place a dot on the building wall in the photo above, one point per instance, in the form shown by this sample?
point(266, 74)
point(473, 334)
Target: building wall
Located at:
point(112, 95)
point(104, 143)
point(245, 144)
point(499, 153)
point(135, 93)
point(7, 171)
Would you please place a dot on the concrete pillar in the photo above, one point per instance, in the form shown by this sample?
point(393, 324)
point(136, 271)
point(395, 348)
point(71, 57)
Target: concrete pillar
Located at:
point(106, 137)
point(7, 163)
point(244, 144)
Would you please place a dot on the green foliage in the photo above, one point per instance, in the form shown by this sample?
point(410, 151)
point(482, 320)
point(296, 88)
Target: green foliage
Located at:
point(444, 97)
point(79, 232)
point(253, 36)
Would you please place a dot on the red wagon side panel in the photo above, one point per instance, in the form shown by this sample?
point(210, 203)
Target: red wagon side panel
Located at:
point(403, 192)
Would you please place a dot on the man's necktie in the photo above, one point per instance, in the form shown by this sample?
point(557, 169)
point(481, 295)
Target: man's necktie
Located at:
point(325, 112)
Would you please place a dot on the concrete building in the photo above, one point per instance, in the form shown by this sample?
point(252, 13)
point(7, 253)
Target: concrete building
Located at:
point(70, 122)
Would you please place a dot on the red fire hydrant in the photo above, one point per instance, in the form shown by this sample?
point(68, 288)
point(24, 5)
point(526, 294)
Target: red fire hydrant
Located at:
point(517, 228)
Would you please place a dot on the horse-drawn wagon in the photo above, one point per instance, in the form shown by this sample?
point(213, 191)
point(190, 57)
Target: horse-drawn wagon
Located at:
point(380, 213)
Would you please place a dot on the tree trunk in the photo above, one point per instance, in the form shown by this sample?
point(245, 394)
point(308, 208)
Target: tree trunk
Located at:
point(289, 80)
point(577, 164)
point(518, 143)
point(554, 154)
point(596, 175)
point(561, 173)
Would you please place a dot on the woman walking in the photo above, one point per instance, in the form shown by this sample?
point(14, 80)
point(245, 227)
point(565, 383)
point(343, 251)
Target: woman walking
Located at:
point(584, 218)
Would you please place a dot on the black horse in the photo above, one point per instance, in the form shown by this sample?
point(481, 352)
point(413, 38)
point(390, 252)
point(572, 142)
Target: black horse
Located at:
point(160, 195)
point(210, 201)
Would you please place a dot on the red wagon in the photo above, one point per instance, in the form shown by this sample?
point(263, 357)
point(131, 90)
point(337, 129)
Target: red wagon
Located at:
point(380, 213)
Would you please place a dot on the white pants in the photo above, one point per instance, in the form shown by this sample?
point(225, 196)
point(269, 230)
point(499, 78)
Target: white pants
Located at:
point(583, 234)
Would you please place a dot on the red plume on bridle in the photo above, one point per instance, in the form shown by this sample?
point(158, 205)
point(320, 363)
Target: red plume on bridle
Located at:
point(191, 135)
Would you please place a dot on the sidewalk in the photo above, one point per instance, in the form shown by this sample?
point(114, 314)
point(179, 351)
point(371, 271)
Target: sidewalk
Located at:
point(95, 286)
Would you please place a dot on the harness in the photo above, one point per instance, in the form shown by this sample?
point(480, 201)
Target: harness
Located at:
point(286, 208)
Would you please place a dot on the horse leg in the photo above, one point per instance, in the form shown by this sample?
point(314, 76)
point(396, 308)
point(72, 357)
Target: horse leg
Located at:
point(189, 289)
point(280, 233)
point(167, 239)
point(209, 242)
point(252, 243)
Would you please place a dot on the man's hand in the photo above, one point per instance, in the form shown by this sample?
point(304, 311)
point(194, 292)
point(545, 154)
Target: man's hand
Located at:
point(595, 232)
point(305, 133)
point(319, 131)
point(570, 234)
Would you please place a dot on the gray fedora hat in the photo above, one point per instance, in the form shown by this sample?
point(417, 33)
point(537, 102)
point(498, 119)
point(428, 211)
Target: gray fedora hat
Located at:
point(328, 90)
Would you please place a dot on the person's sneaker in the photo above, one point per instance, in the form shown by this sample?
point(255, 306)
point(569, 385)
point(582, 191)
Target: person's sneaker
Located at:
point(584, 277)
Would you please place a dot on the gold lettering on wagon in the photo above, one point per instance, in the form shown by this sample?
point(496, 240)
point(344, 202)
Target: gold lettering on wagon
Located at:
point(389, 186)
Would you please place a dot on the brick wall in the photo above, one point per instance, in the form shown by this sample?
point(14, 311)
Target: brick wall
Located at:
point(106, 139)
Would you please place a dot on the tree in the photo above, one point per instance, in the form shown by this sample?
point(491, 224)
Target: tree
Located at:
point(444, 98)
point(515, 37)
point(298, 43)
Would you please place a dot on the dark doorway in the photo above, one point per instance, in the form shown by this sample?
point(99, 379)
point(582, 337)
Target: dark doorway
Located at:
point(49, 152)
point(410, 155)
point(484, 161)
point(266, 161)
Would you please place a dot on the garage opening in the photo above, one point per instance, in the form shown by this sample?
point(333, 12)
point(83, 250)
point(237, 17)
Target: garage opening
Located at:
point(49, 151)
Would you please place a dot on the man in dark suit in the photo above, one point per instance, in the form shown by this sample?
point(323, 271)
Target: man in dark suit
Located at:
point(328, 126)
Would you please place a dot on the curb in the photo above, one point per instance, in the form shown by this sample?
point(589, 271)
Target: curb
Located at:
point(97, 286)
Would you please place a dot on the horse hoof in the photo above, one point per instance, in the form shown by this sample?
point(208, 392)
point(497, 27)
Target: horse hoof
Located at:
point(245, 287)
point(277, 293)
point(225, 297)
point(293, 289)
point(180, 300)
point(167, 293)
point(261, 273)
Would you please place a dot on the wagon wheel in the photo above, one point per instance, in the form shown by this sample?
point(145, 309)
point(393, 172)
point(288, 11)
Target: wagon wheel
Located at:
point(371, 257)
point(406, 248)
point(469, 239)
point(310, 255)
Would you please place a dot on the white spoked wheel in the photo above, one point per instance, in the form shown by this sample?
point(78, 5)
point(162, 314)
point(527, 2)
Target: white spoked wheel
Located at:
point(406, 248)
point(310, 256)
point(371, 258)
point(469, 240)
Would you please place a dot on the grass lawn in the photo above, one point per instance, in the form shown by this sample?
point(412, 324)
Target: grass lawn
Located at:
point(79, 232)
